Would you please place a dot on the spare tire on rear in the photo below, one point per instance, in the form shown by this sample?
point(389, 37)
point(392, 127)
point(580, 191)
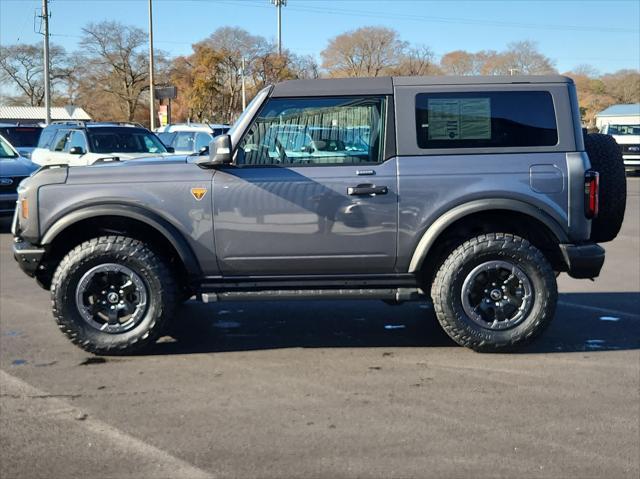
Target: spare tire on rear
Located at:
point(606, 158)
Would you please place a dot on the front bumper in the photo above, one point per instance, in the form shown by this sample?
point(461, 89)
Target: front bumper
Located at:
point(28, 256)
point(583, 260)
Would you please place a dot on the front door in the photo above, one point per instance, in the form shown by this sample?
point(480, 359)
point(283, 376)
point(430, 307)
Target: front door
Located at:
point(310, 192)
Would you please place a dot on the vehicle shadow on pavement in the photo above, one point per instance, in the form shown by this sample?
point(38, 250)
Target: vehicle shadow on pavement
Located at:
point(583, 322)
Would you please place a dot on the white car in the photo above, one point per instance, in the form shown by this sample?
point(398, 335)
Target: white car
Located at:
point(84, 143)
point(628, 137)
point(187, 138)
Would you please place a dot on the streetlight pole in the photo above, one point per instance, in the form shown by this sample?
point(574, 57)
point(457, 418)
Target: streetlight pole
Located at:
point(47, 81)
point(244, 92)
point(279, 4)
point(152, 114)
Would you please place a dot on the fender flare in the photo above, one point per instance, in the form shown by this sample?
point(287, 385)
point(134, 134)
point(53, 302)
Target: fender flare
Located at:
point(160, 224)
point(432, 233)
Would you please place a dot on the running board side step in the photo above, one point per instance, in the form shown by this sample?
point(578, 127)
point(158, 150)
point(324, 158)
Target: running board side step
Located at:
point(387, 294)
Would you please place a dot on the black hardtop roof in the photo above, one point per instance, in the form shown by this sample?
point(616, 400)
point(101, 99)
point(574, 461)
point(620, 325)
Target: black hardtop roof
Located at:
point(385, 85)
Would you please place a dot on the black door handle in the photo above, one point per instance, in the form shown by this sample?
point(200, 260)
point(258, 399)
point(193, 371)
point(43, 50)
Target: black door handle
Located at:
point(367, 190)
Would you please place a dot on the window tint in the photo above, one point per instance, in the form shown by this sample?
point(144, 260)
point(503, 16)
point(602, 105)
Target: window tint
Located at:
point(166, 138)
point(60, 140)
point(124, 140)
point(315, 131)
point(485, 119)
point(22, 136)
point(77, 139)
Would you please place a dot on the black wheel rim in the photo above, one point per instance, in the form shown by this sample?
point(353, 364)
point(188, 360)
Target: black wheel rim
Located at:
point(111, 298)
point(497, 295)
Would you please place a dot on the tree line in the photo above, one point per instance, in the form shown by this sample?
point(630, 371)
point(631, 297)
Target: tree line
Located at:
point(109, 75)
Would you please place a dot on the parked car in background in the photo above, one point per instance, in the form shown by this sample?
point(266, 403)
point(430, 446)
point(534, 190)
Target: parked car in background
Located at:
point(76, 143)
point(13, 169)
point(186, 138)
point(628, 137)
point(622, 122)
point(24, 138)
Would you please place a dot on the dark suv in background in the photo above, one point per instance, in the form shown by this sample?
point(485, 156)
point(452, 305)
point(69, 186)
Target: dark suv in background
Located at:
point(23, 137)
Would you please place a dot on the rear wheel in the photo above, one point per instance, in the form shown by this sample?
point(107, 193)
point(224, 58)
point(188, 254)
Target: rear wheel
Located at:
point(494, 292)
point(112, 295)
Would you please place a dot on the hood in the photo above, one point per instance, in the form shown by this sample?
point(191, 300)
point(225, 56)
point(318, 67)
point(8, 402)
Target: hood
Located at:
point(16, 166)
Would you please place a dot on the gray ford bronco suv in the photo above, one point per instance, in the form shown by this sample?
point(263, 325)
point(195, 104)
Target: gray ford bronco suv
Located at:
point(472, 192)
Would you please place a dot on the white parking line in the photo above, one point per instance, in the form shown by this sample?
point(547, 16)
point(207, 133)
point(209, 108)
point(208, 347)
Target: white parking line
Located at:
point(599, 309)
point(12, 386)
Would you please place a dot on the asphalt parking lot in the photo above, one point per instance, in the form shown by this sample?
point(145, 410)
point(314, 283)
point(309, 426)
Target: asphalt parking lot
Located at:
point(355, 389)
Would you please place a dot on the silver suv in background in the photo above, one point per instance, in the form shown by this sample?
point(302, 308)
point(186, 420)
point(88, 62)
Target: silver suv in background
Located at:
point(473, 192)
point(188, 138)
point(78, 143)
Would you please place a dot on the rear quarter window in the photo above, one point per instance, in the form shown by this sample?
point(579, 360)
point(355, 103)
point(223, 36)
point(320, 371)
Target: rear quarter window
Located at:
point(485, 119)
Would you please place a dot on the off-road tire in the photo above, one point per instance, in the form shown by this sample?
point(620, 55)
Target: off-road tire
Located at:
point(161, 289)
point(606, 158)
point(446, 292)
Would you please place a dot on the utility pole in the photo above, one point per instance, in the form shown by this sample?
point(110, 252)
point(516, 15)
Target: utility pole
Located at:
point(47, 81)
point(152, 112)
point(279, 4)
point(244, 93)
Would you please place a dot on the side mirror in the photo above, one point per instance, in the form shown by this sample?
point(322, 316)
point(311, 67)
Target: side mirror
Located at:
point(76, 150)
point(219, 152)
point(170, 149)
point(203, 151)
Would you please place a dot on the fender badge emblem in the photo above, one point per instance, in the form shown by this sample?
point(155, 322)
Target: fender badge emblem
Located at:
point(198, 193)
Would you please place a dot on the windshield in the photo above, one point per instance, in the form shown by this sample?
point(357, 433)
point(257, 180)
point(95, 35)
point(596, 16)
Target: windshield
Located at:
point(124, 140)
point(623, 130)
point(22, 136)
point(5, 150)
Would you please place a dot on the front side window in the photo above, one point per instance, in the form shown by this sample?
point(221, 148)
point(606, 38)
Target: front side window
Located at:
point(485, 120)
point(315, 132)
point(202, 140)
point(77, 140)
point(124, 140)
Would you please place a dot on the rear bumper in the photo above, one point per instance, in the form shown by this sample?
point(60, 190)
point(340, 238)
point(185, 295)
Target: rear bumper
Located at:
point(28, 256)
point(583, 260)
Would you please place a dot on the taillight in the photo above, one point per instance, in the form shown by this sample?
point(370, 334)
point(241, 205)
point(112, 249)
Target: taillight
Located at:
point(591, 196)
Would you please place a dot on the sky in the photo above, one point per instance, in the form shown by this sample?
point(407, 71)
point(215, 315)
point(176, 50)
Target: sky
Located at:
point(604, 33)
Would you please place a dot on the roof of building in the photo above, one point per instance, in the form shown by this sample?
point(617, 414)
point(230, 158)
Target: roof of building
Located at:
point(621, 110)
point(38, 113)
point(385, 85)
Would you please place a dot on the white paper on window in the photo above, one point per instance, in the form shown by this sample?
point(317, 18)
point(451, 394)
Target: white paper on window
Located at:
point(459, 119)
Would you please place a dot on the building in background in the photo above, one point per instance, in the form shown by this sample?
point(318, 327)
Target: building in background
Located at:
point(36, 114)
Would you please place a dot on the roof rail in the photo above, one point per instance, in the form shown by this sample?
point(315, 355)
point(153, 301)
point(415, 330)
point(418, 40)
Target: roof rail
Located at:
point(68, 122)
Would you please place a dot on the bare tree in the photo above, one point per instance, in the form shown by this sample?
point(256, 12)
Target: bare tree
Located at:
point(367, 51)
point(21, 65)
point(417, 61)
point(459, 62)
point(116, 63)
point(525, 58)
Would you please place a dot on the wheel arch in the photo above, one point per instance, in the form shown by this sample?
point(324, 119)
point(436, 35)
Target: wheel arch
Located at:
point(120, 219)
point(473, 212)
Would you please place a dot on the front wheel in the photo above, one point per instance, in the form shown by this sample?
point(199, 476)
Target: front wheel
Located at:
point(112, 295)
point(494, 292)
